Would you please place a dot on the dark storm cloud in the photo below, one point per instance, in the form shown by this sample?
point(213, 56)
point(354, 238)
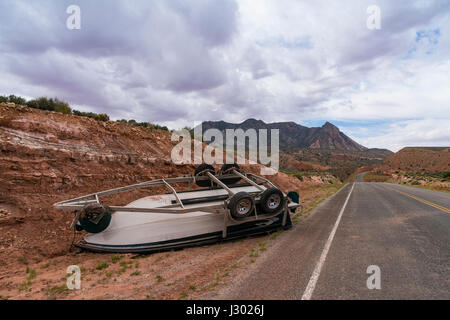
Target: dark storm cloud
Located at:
point(213, 21)
point(159, 45)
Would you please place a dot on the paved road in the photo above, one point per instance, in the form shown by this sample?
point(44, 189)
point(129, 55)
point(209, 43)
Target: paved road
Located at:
point(360, 176)
point(404, 231)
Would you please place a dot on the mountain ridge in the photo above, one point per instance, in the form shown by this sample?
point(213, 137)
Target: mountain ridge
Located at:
point(293, 135)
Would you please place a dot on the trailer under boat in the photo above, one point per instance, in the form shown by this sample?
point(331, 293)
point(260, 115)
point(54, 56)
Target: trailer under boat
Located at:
point(222, 209)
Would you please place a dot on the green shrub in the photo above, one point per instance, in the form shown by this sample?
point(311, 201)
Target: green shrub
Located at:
point(102, 266)
point(54, 104)
point(17, 100)
point(159, 278)
point(96, 116)
point(44, 103)
point(102, 117)
point(148, 125)
point(63, 108)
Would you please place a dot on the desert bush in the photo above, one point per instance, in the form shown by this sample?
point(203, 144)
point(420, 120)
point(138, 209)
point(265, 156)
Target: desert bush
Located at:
point(96, 116)
point(299, 176)
point(148, 125)
point(52, 104)
point(159, 127)
point(13, 98)
point(17, 100)
point(342, 173)
point(63, 108)
point(102, 117)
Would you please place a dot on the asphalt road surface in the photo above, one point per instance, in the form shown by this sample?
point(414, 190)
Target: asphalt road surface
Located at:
point(403, 231)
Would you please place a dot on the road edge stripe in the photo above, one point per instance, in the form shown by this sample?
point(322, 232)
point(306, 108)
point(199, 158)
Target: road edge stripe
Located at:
point(316, 273)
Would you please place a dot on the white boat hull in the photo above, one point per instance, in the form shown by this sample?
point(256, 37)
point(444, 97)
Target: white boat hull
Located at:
point(146, 232)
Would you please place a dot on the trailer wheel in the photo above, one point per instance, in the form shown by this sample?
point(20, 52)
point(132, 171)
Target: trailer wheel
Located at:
point(271, 200)
point(201, 171)
point(228, 168)
point(241, 205)
point(95, 218)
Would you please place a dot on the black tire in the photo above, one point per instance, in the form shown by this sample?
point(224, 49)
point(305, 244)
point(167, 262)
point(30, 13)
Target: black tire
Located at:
point(271, 200)
point(226, 168)
point(200, 171)
point(241, 205)
point(95, 218)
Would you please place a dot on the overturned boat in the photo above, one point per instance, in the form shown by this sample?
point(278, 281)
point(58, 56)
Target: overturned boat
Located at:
point(228, 205)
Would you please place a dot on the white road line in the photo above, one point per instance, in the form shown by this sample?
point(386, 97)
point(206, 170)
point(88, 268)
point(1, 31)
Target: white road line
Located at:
point(316, 273)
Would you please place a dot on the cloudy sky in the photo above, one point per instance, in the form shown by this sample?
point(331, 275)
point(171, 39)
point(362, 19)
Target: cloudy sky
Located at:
point(178, 62)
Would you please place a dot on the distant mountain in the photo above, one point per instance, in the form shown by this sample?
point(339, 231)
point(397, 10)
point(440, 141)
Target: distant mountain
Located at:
point(295, 136)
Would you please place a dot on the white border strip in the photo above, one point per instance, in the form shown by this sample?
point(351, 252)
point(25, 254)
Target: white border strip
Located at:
point(316, 273)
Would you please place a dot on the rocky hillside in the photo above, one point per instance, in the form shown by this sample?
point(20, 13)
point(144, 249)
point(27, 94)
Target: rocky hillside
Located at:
point(47, 157)
point(296, 136)
point(419, 159)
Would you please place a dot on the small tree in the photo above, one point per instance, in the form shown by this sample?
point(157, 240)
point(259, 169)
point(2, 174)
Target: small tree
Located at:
point(61, 106)
point(17, 100)
point(102, 117)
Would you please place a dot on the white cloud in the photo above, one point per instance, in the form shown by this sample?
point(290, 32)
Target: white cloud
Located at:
point(411, 133)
